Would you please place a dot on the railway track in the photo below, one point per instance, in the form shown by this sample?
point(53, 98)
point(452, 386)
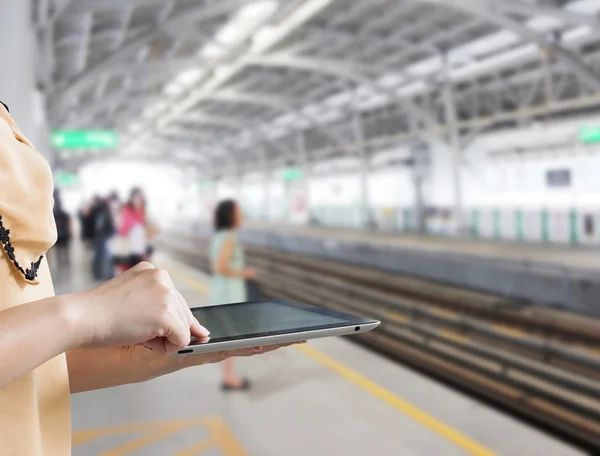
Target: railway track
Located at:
point(542, 363)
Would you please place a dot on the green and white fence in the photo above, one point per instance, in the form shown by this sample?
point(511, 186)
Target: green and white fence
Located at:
point(558, 226)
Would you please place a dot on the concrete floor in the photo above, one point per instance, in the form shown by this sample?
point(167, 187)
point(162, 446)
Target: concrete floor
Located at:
point(331, 398)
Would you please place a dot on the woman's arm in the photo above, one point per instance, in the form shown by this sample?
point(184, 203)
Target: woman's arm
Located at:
point(96, 369)
point(222, 265)
point(139, 306)
point(31, 334)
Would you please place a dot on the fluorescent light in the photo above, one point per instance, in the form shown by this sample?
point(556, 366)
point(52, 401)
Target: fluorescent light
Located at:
point(263, 36)
point(173, 89)
point(189, 77)
point(245, 22)
point(212, 51)
point(259, 9)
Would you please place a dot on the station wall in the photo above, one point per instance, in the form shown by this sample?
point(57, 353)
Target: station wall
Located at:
point(535, 183)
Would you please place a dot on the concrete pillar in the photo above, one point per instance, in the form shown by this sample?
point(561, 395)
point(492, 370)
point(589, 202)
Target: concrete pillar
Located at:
point(456, 149)
point(17, 57)
point(307, 169)
point(266, 183)
point(365, 216)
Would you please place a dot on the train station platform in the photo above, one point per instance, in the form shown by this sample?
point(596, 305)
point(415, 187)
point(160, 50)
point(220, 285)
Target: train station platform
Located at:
point(330, 397)
point(582, 259)
point(555, 276)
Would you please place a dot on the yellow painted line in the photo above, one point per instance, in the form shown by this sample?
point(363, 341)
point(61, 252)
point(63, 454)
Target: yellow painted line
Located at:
point(399, 404)
point(180, 275)
point(219, 436)
point(145, 441)
point(451, 434)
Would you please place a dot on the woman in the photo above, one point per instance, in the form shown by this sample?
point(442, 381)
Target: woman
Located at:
point(133, 226)
point(228, 283)
point(46, 342)
point(64, 231)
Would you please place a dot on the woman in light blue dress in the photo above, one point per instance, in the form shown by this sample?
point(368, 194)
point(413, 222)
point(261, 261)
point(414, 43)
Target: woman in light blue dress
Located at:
point(228, 284)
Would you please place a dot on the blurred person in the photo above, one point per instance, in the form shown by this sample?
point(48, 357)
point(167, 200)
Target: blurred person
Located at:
point(115, 334)
point(85, 220)
point(135, 229)
point(114, 208)
point(64, 231)
point(228, 284)
point(104, 229)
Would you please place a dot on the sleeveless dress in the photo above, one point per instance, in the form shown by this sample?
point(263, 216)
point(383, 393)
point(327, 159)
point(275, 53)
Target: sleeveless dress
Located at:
point(34, 410)
point(226, 290)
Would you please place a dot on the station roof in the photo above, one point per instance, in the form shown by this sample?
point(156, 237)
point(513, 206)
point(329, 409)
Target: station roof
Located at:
point(234, 84)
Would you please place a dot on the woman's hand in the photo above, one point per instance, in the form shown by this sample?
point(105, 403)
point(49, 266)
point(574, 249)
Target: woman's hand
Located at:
point(217, 357)
point(140, 306)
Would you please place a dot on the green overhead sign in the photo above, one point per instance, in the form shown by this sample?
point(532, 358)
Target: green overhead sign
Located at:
point(85, 139)
point(63, 179)
point(291, 174)
point(206, 185)
point(590, 135)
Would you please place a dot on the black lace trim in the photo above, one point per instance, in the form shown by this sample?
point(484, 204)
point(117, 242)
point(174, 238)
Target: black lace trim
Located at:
point(31, 273)
point(7, 110)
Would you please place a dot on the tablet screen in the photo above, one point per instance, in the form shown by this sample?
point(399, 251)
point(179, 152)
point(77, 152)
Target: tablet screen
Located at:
point(262, 318)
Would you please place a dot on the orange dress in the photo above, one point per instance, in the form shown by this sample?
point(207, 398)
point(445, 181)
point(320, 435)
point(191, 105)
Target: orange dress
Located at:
point(34, 410)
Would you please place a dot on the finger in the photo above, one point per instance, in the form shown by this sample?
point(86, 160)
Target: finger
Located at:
point(178, 336)
point(196, 329)
point(140, 267)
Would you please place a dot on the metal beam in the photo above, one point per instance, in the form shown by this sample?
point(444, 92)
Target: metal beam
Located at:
point(86, 26)
point(204, 119)
point(340, 70)
point(495, 17)
point(85, 6)
point(108, 33)
point(122, 34)
point(276, 103)
point(203, 12)
point(537, 9)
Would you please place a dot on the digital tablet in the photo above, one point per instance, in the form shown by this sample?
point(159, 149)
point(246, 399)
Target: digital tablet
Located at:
point(270, 322)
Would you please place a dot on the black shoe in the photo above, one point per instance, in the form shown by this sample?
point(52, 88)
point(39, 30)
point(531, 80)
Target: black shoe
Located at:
point(245, 386)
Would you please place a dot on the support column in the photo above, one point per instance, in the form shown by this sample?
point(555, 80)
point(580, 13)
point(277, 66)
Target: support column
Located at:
point(17, 55)
point(365, 216)
point(456, 149)
point(420, 159)
point(267, 183)
point(306, 177)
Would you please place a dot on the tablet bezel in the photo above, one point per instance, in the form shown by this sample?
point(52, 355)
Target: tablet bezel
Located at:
point(349, 321)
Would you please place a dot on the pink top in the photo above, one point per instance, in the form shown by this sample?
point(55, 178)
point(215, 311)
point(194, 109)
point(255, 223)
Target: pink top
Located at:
point(129, 219)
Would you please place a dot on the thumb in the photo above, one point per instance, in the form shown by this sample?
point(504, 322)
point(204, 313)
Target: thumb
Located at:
point(197, 330)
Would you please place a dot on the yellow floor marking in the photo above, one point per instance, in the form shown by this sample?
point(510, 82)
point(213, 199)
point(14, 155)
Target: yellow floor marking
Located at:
point(82, 437)
point(219, 436)
point(390, 398)
point(180, 275)
point(471, 446)
point(147, 440)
